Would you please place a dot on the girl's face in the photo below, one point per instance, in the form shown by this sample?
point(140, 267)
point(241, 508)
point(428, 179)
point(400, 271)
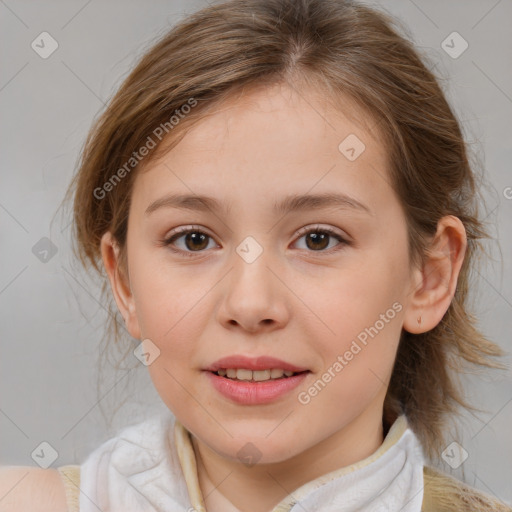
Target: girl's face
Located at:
point(259, 277)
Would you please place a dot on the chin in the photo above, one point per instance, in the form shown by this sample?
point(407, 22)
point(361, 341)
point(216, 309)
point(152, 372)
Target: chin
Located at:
point(254, 446)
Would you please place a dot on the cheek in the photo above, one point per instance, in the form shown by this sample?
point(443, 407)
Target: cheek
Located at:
point(358, 362)
point(169, 300)
point(352, 298)
point(172, 315)
point(360, 316)
point(175, 333)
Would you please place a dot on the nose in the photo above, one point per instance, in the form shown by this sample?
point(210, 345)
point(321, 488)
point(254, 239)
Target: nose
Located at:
point(254, 296)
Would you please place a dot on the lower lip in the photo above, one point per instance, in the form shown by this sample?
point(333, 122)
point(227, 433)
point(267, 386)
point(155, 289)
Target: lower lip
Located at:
point(255, 393)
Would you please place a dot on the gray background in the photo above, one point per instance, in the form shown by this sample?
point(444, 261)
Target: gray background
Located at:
point(51, 320)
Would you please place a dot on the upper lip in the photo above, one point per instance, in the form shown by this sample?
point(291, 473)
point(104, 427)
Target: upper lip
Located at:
point(253, 363)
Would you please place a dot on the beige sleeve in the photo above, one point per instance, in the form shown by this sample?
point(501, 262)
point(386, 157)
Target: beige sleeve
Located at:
point(71, 479)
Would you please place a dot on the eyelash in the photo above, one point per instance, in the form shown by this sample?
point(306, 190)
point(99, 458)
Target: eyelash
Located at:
point(304, 231)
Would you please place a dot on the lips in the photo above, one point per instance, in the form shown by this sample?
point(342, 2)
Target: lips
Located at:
point(254, 364)
point(244, 380)
point(254, 393)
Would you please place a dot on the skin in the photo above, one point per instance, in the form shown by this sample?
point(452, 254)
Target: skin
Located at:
point(302, 303)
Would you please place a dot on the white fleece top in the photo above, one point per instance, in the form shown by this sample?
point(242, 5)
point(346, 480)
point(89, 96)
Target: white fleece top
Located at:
point(150, 467)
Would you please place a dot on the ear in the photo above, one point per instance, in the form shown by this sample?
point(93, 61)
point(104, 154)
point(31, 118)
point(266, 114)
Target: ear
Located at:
point(119, 284)
point(433, 286)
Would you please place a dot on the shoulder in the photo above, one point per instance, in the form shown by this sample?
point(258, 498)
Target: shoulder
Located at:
point(443, 493)
point(29, 489)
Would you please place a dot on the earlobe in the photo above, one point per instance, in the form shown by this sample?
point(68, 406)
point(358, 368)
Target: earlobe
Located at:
point(119, 284)
point(435, 284)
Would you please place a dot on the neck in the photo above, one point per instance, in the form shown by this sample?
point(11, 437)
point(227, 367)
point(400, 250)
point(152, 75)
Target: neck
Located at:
point(230, 486)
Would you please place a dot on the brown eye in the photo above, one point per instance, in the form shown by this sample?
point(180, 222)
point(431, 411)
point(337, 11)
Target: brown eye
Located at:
point(318, 239)
point(194, 240)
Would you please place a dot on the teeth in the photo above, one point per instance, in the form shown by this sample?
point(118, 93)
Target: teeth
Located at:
point(256, 375)
point(260, 375)
point(275, 373)
point(244, 374)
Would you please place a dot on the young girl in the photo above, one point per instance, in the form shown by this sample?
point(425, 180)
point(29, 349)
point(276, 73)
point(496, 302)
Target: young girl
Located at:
point(281, 199)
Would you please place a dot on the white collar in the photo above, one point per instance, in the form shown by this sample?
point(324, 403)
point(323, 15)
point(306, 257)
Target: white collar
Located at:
point(390, 479)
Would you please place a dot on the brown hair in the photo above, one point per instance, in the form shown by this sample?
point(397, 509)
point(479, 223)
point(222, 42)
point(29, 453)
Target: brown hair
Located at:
point(342, 48)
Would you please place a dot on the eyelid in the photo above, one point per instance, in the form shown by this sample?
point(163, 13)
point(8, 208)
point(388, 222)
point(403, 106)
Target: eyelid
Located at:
point(319, 227)
point(188, 229)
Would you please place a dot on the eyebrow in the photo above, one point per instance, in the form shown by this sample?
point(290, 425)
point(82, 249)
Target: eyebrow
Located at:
point(292, 203)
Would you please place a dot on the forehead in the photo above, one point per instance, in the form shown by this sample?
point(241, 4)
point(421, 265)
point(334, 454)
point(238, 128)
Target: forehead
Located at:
point(259, 108)
point(271, 140)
